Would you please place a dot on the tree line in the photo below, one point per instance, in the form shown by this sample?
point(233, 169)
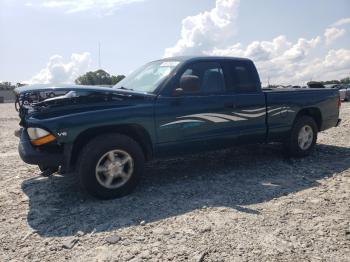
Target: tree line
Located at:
point(344, 81)
point(98, 77)
point(9, 85)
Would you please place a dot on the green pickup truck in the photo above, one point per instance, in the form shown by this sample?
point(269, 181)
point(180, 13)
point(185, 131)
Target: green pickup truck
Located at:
point(168, 107)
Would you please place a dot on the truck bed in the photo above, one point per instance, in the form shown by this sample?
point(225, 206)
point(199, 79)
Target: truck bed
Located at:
point(283, 105)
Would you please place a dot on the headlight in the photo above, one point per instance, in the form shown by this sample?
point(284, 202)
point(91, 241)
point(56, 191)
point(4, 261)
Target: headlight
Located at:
point(35, 133)
point(39, 136)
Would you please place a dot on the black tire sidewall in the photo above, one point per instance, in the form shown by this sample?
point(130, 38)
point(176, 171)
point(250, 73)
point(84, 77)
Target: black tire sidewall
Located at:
point(92, 153)
point(293, 145)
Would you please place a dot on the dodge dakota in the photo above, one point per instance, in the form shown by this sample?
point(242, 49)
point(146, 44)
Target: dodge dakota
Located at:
point(168, 107)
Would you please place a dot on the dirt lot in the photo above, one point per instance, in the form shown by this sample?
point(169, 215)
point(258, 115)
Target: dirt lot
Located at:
point(246, 204)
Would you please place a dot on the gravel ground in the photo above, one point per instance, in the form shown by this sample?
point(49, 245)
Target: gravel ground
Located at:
point(244, 204)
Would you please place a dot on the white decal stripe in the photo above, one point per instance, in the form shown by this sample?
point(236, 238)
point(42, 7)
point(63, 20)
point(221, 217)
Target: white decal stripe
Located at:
point(278, 113)
point(256, 112)
point(183, 121)
point(229, 117)
point(274, 110)
point(221, 118)
point(249, 115)
point(207, 117)
point(253, 110)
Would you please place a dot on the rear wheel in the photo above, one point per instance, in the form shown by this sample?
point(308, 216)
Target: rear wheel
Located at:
point(303, 137)
point(110, 166)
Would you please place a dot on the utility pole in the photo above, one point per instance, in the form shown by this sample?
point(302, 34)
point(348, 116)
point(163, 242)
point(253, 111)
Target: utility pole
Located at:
point(99, 55)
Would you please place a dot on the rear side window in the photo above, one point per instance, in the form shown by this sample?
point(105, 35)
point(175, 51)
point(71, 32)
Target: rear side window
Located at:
point(242, 77)
point(210, 74)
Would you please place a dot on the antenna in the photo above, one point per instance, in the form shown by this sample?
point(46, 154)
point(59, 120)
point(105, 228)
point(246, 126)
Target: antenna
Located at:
point(99, 55)
point(268, 81)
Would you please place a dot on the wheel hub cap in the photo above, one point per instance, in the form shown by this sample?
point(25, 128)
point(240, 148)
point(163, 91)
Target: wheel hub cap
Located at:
point(114, 169)
point(305, 137)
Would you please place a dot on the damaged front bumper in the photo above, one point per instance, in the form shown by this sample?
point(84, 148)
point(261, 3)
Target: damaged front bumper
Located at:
point(34, 155)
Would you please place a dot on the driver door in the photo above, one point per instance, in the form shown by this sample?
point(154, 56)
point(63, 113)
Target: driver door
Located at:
point(199, 118)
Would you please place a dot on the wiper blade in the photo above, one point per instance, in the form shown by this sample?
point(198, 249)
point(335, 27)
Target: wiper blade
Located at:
point(124, 88)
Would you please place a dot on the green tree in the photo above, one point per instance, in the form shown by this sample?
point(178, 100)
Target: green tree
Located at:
point(6, 86)
point(116, 79)
point(330, 82)
point(315, 84)
point(345, 81)
point(99, 77)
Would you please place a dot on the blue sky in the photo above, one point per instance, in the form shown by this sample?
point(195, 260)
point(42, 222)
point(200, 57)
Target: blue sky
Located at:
point(54, 41)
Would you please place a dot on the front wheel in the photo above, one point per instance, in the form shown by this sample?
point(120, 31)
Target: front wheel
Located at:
point(303, 137)
point(110, 166)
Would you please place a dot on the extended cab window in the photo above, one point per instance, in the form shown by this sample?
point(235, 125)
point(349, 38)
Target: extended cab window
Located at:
point(210, 75)
point(242, 77)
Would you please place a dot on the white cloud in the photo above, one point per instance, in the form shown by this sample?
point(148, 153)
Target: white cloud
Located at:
point(334, 65)
point(291, 63)
point(59, 72)
point(201, 32)
point(338, 59)
point(281, 60)
point(342, 21)
point(301, 49)
point(332, 34)
point(102, 7)
point(259, 51)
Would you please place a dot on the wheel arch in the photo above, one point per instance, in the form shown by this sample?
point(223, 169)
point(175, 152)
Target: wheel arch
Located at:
point(313, 112)
point(134, 131)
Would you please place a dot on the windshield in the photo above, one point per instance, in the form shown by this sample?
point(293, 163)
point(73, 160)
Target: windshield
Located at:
point(147, 78)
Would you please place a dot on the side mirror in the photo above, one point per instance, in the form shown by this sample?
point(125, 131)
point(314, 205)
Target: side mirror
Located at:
point(189, 84)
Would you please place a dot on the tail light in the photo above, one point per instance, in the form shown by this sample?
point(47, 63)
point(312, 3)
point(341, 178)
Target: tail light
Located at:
point(339, 102)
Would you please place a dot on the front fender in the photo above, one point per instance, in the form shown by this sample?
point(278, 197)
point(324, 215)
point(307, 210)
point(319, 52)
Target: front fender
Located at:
point(68, 127)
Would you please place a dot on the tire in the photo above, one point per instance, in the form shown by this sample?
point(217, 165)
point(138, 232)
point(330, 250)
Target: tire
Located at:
point(96, 155)
point(297, 148)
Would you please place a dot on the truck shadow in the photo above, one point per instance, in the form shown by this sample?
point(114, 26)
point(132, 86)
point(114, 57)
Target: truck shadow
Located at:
point(232, 178)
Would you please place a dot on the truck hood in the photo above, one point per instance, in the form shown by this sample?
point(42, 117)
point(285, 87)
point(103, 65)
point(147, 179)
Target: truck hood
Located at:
point(66, 88)
point(49, 101)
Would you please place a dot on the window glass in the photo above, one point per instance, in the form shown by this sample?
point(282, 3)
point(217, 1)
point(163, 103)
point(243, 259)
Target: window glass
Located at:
point(148, 77)
point(242, 77)
point(210, 75)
